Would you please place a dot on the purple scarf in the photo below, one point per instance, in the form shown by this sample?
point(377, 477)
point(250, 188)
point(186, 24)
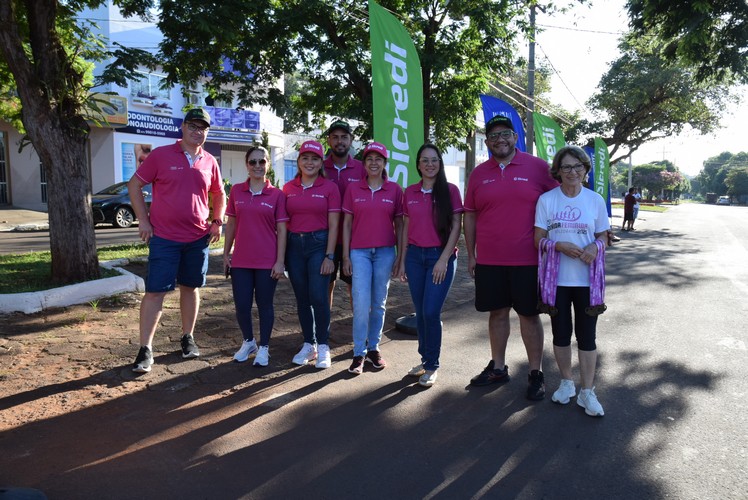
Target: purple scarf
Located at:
point(549, 260)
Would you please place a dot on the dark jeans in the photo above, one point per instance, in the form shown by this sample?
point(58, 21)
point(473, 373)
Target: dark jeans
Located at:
point(428, 299)
point(249, 284)
point(304, 255)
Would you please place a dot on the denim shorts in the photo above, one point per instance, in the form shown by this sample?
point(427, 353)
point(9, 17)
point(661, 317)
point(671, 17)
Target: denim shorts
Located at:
point(172, 262)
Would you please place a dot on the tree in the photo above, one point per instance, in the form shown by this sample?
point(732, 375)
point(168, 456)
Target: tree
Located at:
point(737, 182)
point(46, 59)
point(643, 98)
point(716, 169)
point(709, 35)
point(659, 178)
point(325, 45)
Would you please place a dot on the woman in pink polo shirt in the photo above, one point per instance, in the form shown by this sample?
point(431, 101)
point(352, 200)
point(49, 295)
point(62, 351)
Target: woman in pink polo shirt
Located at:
point(313, 205)
point(433, 216)
point(372, 227)
point(256, 229)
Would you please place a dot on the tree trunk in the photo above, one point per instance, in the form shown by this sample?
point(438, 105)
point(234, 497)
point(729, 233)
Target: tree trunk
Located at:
point(49, 86)
point(62, 150)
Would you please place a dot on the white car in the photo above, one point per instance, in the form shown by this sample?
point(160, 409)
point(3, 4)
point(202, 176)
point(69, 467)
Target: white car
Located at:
point(723, 200)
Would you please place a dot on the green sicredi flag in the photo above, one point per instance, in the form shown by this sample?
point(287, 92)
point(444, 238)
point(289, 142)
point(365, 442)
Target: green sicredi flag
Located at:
point(397, 92)
point(602, 168)
point(548, 136)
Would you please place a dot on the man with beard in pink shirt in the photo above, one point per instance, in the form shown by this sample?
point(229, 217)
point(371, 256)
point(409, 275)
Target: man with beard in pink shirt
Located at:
point(499, 230)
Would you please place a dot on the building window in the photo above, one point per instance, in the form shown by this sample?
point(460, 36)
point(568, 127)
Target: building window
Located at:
point(43, 178)
point(148, 86)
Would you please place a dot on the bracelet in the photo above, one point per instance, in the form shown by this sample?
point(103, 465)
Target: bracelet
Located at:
point(218, 222)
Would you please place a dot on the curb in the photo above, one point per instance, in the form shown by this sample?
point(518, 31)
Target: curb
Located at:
point(79, 293)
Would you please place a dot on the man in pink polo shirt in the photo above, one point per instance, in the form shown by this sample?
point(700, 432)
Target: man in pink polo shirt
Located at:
point(343, 169)
point(499, 218)
point(177, 229)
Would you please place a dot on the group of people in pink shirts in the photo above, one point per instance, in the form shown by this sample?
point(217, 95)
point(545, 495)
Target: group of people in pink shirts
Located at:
point(342, 218)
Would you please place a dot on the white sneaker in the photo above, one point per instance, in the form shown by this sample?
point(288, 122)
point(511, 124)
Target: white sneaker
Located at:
point(565, 392)
point(323, 357)
point(587, 399)
point(417, 371)
point(427, 379)
point(263, 356)
point(307, 353)
point(248, 348)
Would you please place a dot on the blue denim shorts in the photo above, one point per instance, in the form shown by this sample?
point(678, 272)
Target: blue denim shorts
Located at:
point(172, 262)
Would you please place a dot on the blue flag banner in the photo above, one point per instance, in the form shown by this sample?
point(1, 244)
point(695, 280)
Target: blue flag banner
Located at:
point(493, 106)
point(591, 179)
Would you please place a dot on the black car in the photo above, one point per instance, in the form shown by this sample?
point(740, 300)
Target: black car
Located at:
point(113, 205)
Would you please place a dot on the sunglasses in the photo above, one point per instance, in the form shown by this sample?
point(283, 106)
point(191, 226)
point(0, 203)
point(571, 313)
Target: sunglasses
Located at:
point(255, 162)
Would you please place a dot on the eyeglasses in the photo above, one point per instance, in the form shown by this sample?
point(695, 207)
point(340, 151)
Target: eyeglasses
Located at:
point(262, 162)
point(429, 161)
point(568, 168)
point(194, 128)
point(504, 134)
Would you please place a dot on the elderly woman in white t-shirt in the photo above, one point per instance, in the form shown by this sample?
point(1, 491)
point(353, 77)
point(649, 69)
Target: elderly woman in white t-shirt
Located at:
point(571, 224)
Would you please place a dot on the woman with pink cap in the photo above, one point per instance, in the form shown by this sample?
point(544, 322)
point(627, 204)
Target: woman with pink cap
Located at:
point(372, 228)
point(313, 206)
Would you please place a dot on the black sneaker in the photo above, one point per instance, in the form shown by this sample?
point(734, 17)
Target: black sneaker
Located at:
point(143, 361)
point(376, 360)
point(490, 376)
point(536, 389)
point(189, 348)
point(357, 366)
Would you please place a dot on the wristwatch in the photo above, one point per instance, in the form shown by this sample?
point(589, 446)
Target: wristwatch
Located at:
point(330, 256)
point(218, 222)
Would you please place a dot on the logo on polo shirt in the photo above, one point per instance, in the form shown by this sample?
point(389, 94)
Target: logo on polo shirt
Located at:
point(265, 204)
point(176, 167)
point(359, 200)
point(318, 196)
point(521, 179)
point(488, 181)
point(385, 200)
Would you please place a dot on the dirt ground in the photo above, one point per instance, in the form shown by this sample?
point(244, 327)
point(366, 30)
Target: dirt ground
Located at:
point(63, 360)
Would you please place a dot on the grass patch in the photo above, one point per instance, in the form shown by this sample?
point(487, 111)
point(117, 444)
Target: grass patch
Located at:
point(644, 208)
point(30, 272)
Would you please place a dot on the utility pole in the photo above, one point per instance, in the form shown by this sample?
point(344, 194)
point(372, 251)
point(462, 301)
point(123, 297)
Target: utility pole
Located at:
point(531, 83)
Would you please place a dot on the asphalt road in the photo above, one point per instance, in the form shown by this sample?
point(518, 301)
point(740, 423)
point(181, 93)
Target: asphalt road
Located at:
point(671, 378)
point(34, 241)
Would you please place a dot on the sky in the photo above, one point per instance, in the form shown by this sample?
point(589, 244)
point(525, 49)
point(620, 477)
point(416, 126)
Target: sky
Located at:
point(582, 43)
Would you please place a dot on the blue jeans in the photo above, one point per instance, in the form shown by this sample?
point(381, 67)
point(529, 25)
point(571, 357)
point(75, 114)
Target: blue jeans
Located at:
point(371, 280)
point(428, 299)
point(304, 255)
point(250, 284)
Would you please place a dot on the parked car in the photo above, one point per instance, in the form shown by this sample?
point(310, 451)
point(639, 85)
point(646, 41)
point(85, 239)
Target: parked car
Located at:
point(723, 200)
point(112, 205)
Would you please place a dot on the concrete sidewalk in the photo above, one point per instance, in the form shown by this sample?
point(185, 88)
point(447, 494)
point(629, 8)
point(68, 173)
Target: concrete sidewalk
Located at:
point(20, 219)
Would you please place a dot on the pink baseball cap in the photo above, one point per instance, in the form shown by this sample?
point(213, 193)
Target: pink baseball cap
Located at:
point(375, 147)
point(312, 147)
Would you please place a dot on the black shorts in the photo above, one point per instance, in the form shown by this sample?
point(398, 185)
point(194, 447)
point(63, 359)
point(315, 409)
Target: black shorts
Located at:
point(497, 287)
point(339, 266)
